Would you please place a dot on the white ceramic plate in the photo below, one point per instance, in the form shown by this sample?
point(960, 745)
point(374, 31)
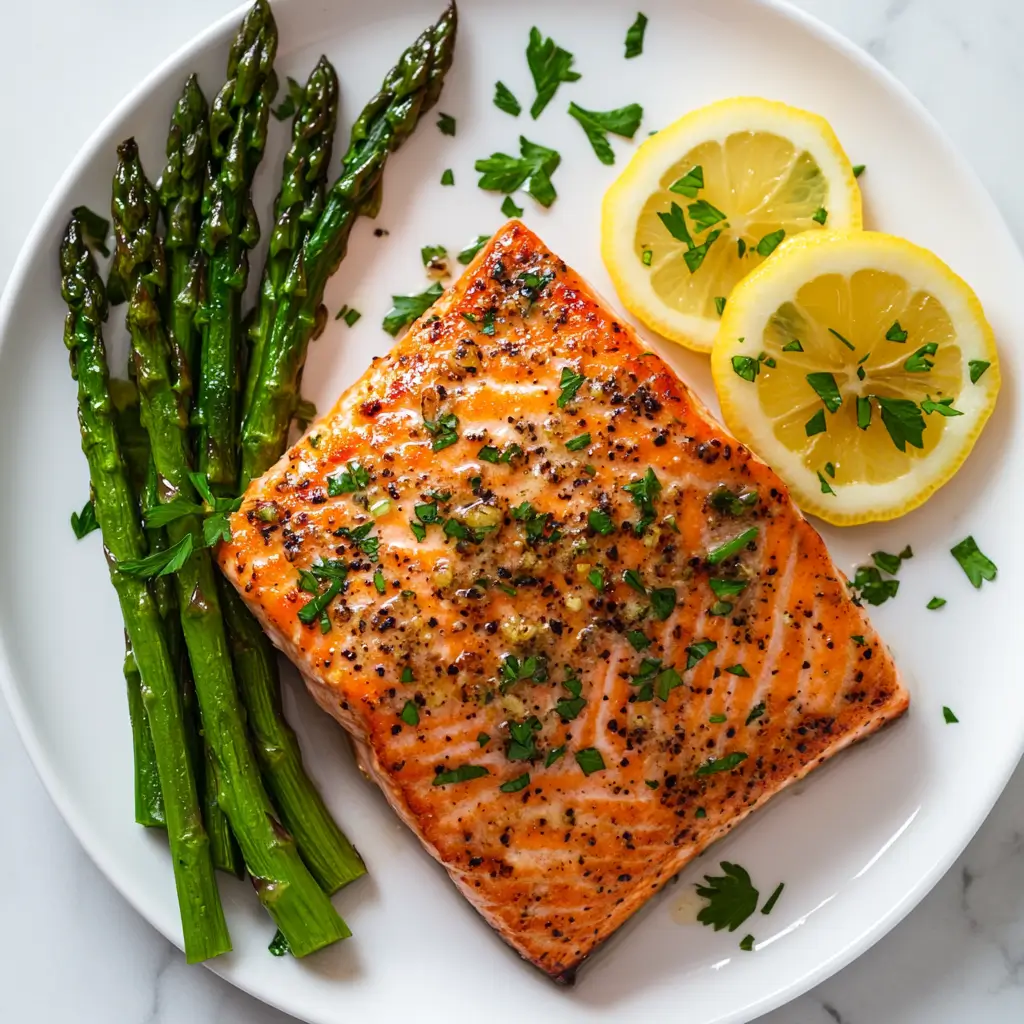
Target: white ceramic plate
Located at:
point(858, 844)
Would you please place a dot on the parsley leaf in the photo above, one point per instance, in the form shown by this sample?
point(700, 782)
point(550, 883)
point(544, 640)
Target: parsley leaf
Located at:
point(675, 224)
point(731, 898)
point(569, 383)
point(522, 743)
point(549, 65)
point(516, 784)
point(770, 242)
point(410, 713)
point(352, 479)
point(446, 124)
point(896, 333)
point(84, 522)
point(509, 208)
point(349, 315)
point(531, 170)
point(816, 424)
point(977, 368)
point(690, 183)
point(407, 308)
point(859, 169)
point(903, 419)
point(590, 760)
point(622, 121)
point(505, 100)
point(569, 707)
point(159, 563)
point(643, 493)
point(869, 585)
point(755, 712)
point(919, 361)
point(447, 177)
point(721, 764)
point(825, 387)
point(704, 216)
point(769, 904)
point(698, 651)
point(935, 602)
point(463, 773)
point(635, 36)
point(891, 563)
point(434, 256)
point(663, 602)
point(94, 229)
point(465, 257)
point(732, 547)
point(863, 412)
point(977, 566)
point(292, 102)
point(555, 755)
point(279, 945)
point(444, 430)
point(746, 367)
point(600, 522)
point(948, 716)
point(577, 443)
point(944, 407)
point(820, 215)
point(637, 640)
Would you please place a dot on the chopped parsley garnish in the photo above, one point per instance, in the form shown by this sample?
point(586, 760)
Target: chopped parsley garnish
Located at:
point(580, 441)
point(632, 578)
point(836, 334)
point(651, 783)
point(513, 670)
point(600, 522)
point(863, 412)
point(531, 171)
point(516, 784)
point(769, 904)
point(756, 711)
point(333, 571)
point(731, 503)
point(896, 333)
point(816, 424)
point(406, 308)
point(704, 215)
point(741, 248)
point(351, 479)
point(689, 184)
point(732, 547)
point(84, 522)
point(820, 215)
point(505, 100)
point(287, 107)
point(728, 588)
point(645, 678)
point(675, 223)
point(447, 177)
point(903, 420)
point(555, 755)
point(668, 680)
point(279, 945)
point(793, 346)
point(694, 256)
point(826, 487)
point(719, 304)
point(977, 367)
point(596, 579)
point(891, 563)
point(770, 242)
point(509, 208)
point(535, 523)
point(825, 387)
point(976, 565)
point(378, 581)
point(635, 36)
point(698, 651)
point(646, 256)
point(406, 676)
point(549, 65)
point(94, 229)
point(919, 361)
point(158, 563)
point(434, 256)
point(859, 169)
point(721, 764)
point(869, 585)
point(444, 430)
point(597, 124)
point(731, 898)
point(663, 602)
point(638, 641)
point(410, 713)
point(569, 383)
point(349, 315)
point(446, 124)
point(483, 739)
point(643, 492)
point(522, 743)
point(463, 773)
point(747, 943)
point(717, 719)
point(590, 760)
point(948, 716)
point(944, 407)
point(569, 707)
point(746, 367)
point(360, 536)
point(935, 602)
point(465, 257)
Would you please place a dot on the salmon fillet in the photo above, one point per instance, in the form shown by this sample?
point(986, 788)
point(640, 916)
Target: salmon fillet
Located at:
point(576, 631)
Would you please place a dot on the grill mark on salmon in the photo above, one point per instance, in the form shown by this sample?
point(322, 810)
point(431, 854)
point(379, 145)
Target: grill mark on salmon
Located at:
point(556, 866)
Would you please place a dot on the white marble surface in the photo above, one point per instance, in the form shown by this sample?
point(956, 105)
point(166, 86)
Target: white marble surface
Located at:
point(72, 950)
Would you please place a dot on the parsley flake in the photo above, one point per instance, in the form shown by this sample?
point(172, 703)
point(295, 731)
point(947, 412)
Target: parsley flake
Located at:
point(590, 760)
point(770, 242)
point(635, 36)
point(516, 784)
point(569, 383)
point(597, 124)
point(83, 523)
point(732, 547)
point(820, 215)
point(896, 333)
point(977, 367)
point(446, 124)
point(816, 424)
point(407, 308)
point(463, 773)
point(549, 65)
point(465, 257)
point(903, 420)
point(949, 717)
point(690, 183)
point(447, 177)
point(746, 367)
point(577, 443)
point(722, 764)
point(159, 563)
point(935, 602)
point(531, 171)
point(977, 566)
point(769, 904)
point(825, 387)
point(505, 100)
point(731, 898)
point(410, 713)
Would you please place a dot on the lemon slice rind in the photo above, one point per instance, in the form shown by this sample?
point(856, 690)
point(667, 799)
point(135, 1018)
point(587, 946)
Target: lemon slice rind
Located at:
point(768, 287)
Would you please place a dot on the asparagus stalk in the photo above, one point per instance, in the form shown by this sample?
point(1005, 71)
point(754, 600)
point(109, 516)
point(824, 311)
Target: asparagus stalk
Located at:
point(284, 885)
point(300, 201)
point(149, 801)
point(410, 89)
point(238, 133)
point(180, 188)
point(205, 931)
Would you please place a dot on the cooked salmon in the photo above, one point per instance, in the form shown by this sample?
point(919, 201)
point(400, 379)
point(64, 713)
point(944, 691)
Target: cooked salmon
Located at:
point(576, 631)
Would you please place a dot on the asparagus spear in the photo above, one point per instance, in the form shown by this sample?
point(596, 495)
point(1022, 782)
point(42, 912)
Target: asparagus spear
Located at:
point(149, 801)
point(238, 134)
point(300, 201)
point(410, 89)
point(202, 918)
point(180, 188)
point(284, 885)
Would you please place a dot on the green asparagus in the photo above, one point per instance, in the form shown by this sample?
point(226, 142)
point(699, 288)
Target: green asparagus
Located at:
point(205, 931)
point(180, 188)
point(238, 134)
point(300, 201)
point(284, 885)
point(149, 801)
point(410, 89)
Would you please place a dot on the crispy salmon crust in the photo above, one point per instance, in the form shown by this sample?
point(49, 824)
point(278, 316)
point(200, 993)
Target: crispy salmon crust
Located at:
point(576, 631)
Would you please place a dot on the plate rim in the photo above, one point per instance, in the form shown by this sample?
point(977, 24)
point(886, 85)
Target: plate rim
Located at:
point(97, 848)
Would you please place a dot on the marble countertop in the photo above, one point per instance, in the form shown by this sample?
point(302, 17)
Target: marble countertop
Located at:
point(71, 948)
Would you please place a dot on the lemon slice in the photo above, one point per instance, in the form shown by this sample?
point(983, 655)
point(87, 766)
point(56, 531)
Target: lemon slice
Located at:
point(860, 367)
point(706, 200)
